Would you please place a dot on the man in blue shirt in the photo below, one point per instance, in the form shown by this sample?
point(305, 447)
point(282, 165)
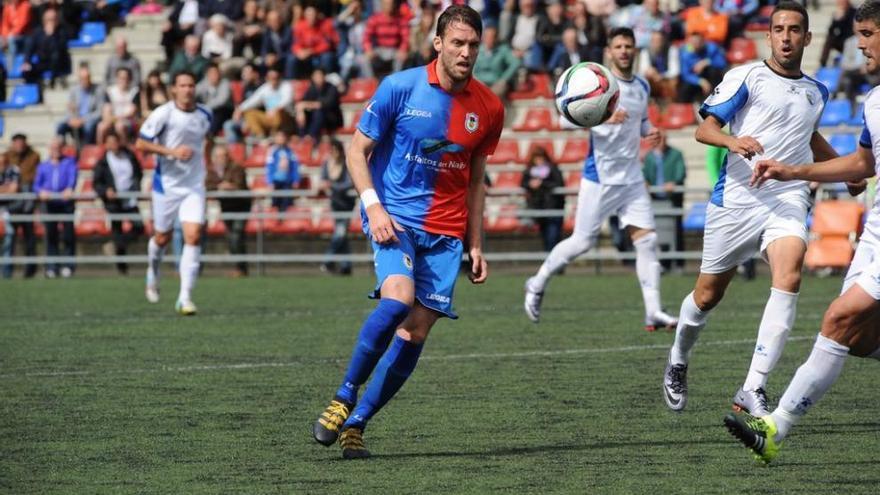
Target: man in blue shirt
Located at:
point(57, 176)
point(702, 67)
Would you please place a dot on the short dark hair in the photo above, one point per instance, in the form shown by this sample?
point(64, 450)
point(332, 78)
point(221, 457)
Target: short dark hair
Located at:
point(124, 69)
point(622, 31)
point(19, 137)
point(110, 134)
point(869, 11)
point(789, 5)
point(184, 72)
point(460, 13)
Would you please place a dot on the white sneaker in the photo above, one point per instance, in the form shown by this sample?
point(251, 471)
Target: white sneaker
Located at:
point(152, 293)
point(185, 308)
point(660, 320)
point(753, 402)
point(66, 272)
point(675, 388)
point(532, 302)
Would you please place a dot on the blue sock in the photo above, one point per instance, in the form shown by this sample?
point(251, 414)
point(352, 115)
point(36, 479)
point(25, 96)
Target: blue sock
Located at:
point(372, 341)
point(391, 373)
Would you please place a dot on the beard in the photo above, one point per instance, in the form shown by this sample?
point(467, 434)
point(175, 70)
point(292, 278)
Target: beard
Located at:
point(453, 71)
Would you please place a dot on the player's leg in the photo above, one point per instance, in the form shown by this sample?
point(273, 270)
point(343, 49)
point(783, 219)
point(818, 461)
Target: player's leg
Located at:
point(587, 222)
point(786, 256)
point(396, 289)
point(164, 211)
point(192, 217)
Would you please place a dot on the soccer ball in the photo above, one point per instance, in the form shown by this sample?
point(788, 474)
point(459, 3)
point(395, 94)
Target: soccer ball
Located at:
point(586, 94)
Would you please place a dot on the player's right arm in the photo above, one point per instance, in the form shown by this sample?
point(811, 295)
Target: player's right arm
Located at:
point(850, 168)
point(729, 97)
point(152, 128)
point(710, 132)
point(382, 226)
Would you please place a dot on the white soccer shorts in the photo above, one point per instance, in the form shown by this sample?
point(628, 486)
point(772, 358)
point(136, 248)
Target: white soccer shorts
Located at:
point(596, 202)
point(865, 267)
point(733, 235)
point(186, 205)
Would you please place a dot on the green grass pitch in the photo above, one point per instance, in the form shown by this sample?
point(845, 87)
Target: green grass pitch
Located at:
point(101, 392)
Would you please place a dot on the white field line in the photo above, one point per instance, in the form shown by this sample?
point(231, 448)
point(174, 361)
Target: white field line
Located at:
point(448, 357)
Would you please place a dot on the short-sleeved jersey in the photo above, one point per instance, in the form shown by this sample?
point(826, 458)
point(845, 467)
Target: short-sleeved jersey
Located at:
point(425, 139)
point(781, 113)
point(870, 139)
point(172, 127)
point(614, 148)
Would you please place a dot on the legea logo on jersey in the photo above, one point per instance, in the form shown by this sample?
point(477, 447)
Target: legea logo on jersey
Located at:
point(471, 122)
point(412, 112)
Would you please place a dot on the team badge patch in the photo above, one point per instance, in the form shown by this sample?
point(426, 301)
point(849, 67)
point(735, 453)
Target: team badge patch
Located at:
point(471, 122)
point(407, 262)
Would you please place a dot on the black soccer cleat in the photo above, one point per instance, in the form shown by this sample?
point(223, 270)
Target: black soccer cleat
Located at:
point(327, 427)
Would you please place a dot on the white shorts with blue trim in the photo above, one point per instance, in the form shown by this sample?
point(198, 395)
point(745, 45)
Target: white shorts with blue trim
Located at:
point(734, 235)
point(596, 202)
point(865, 267)
point(187, 205)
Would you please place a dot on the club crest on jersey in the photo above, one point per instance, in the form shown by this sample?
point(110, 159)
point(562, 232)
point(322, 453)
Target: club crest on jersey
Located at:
point(471, 122)
point(407, 262)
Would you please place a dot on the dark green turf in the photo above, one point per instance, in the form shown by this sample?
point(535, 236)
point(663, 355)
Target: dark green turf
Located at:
point(148, 401)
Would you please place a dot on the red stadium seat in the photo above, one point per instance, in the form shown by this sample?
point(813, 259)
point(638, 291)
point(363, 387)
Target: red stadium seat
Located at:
point(69, 150)
point(85, 185)
point(148, 160)
point(742, 50)
point(654, 115)
point(257, 157)
point(505, 221)
point(259, 183)
point(303, 151)
point(299, 88)
point(237, 89)
point(216, 228)
point(92, 222)
point(536, 86)
point(355, 225)
point(353, 124)
point(296, 220)
point(678, 115)
point(537, 119)
point(324, 223)
point(508, 179)
point(507, 151)
point(573, 179)
point(574, 151)
point(237, 152)
point(89, 156)
point(359, 90)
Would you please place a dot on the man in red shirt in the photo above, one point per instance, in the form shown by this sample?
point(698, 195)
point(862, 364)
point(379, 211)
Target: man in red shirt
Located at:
point(14, 28)
point(314, 44)
point(386, 40)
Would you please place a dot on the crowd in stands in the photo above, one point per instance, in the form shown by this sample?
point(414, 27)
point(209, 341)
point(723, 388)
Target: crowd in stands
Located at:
point(246, 52)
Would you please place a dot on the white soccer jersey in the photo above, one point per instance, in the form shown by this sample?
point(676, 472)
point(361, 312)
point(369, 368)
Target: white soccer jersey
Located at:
point(870, 139)
point(781, 113)
point(614, 148)
point(172, 127)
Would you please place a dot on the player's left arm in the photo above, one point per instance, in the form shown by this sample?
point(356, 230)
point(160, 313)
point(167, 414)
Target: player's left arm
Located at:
point(823, 151)
point(476, 199)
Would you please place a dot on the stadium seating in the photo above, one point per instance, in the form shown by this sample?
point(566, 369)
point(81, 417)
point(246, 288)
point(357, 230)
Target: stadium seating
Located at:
point(742, 50)
point(22, 96)
point(573, 179)
point(15, 71)
point(296, 220)
point(89, 156)
point(538, 119)
point(257, 157)
point(695, 220)
point(547, 144)
point(508, 180)
point(359, 90)
point(837, 112)
point(324, 223)
point(237, 89)
point(299, 89)
point(507, 151)
point(352, 125)
point(536, 86)
point(678, 115)
point(835, 227)
point(503, 220)
point(91, 33)
point(830, 77)
point(92, 222)
point(843, 144)
point(654, 115)
point(574, 151)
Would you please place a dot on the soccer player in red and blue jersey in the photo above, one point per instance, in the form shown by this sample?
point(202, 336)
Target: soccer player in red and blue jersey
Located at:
point(418, 160)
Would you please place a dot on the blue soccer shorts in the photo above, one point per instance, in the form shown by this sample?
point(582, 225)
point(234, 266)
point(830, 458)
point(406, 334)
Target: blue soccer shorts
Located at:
point(431, 260)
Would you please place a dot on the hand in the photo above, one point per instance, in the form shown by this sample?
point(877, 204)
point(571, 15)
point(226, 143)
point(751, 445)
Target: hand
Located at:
point(618, 117)
point(382, 226)
point(746, 146)
point(111, 193)
point(67, 193)
point(75, 122)
point(706, 86)
point(856, 188)
point(479, 268)
point(653, 137)
point(700, 66)
point(236, 115)
point(770, 169)
point(182, 153)
point(534, 183)
point(44, 195)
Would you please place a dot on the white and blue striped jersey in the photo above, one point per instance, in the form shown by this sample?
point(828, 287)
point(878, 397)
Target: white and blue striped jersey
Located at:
point(614, 148)
point(172, 127)
point(781, 113)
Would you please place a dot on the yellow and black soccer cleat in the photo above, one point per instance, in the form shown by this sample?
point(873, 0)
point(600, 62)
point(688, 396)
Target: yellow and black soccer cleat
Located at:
point(352, 442)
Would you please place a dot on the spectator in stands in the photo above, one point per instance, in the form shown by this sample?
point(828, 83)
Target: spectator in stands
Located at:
point(337, 185)
point(47, 51)
point(232, 10)
point(319, 109)
point(664, 167)
point(601, 8)
point(217, 40)
point(182, 22)
point(282, 170)
point(568, 53)
point(248, 32)
point(121, 106)
point(226, 175)
point(121, 58)
point(10, 178)
point(250, 80)
point(214, 92)
point(520, 30)
point(277, 41)
point(119, 171)
point(702, 67)
point(548, 34)
point(153, 94)
point(57, 176)
point(24, 157)
point(189, 58)
point(314, 44)
point(99, 11)
point(739, 13)
point(660, 64)
point(540, 179)
point(352, 27)
point(591, 32)
point(704, 20)
point(839, 31)
point(14, 28)
point(84, 106)
point(644, 20)
point(496, 64)
point(275, 98)
point(386, 39)
point(421, 36)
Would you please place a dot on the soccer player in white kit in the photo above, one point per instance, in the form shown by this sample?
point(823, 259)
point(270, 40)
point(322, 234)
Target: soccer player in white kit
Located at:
point(852, 323)
point(613, 183)
point(176, 133)
point(773, 110)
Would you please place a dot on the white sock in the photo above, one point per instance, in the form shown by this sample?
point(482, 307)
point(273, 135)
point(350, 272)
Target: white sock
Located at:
point(775, 326)
point(154, 254)
point(810, 383)
point(561, 255)
point(690, 321)
point(648, 271)
point(189, 270)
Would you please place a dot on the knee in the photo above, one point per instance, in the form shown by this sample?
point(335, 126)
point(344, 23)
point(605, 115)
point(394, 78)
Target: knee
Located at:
point(706, 298)
point(400, 289)
point(162, 238)
point(789, 282)
point(839, 325)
